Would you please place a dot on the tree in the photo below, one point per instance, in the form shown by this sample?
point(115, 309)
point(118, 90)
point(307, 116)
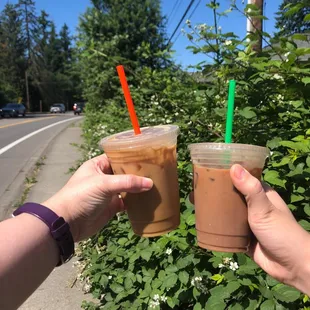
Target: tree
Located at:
point(12, 53)
point(119, 31)
point(65, 46)
point(290, 17)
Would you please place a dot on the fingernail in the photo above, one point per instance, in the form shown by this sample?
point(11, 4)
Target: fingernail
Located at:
point(147, 183)
point(239, 172)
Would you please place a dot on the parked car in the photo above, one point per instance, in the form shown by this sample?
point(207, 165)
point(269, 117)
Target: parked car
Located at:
point(58, 108)
point(13, 110)
point(78, 108)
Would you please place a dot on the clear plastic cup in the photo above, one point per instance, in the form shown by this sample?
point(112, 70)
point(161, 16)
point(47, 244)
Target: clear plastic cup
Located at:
point(220, 209)
point(151, 154)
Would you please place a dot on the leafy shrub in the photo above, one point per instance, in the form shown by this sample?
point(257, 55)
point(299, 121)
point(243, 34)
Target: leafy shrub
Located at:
point(272, 106)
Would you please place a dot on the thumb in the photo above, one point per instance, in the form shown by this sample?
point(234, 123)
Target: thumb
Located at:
point(114, 184)
point(258, 203)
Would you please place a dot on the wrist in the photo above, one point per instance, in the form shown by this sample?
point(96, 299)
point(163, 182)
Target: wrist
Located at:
point(62, 211)
point(302, 278)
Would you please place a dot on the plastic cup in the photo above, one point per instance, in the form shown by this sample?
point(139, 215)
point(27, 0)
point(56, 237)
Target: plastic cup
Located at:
point(150, 154)
point(220, 209)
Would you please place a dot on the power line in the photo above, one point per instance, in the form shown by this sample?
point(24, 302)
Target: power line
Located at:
point(181, 20)
point(172, 11)
point(194, 9)
point(188, 18)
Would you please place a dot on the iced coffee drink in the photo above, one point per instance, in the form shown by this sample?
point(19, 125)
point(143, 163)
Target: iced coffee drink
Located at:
point(151, 154)
point(220, 209)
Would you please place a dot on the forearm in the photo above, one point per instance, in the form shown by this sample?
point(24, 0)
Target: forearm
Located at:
point(28, 255)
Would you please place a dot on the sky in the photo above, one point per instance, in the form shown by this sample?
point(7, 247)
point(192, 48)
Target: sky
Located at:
point(68, 11)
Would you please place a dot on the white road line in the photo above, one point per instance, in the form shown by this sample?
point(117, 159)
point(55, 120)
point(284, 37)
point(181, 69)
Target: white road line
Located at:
point(9, 146)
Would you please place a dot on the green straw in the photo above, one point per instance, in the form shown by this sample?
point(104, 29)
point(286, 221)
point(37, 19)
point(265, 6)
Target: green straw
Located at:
point(230, 111)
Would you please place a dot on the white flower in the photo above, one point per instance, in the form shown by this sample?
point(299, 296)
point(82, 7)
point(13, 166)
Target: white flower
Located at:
point(151, 114)
point(188, 22)
point(176, 113)
point(168, 121)
point(249, 10)
point(193, 282)
point(228, 42)
point(226, 260)
point(163, 298)
point(109, 277)
point(87, 288)
point(221, 265)
point(168, 251)
point(156, 103)
point(277, 77)
point(219, 28)
point(156, 297)
point(154, 304)
point(233, 266)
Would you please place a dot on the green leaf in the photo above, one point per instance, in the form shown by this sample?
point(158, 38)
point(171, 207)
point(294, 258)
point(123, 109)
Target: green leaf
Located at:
point(197, 306)
point(247, 113)
point(307, 209)
point(285, 293)
point(161, 275)
point(236, 307)
point(128, 284)
point(232, 286)
point(183, 277)
point(300, 37)
point(171, 280)
point(295, 198)
point(116, 288)
point(146, 254)
point(252, 304)
point(307, 18)
point(171, 269)
point(306, 80)
point(104, 280)
point(273, 178)
point(274, 143)
point(190, 220)
point(215, 303)
point(267, 305)
point(284, 161)
point(308, 161)
point(122, 241)
point(271, 281)
point(196, 293)
point(246, 282)
point(305, 224)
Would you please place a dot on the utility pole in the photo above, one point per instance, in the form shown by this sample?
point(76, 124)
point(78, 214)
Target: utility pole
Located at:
point(255, 25)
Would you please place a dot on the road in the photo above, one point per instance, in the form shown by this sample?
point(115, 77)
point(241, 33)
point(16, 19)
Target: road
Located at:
point(22, 139)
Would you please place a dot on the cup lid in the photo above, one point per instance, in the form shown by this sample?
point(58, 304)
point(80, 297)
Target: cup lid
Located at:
point(208, 147)
point(149, 135)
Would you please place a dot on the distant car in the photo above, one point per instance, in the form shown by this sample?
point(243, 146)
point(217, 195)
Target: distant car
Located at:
point(13, 110)
point(58, 108)
point(78, 108)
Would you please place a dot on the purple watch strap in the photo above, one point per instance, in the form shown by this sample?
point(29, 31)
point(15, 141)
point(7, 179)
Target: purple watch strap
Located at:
point(59, 229)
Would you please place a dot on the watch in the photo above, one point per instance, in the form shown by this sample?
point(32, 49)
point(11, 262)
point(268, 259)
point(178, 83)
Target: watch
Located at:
point(59, 228)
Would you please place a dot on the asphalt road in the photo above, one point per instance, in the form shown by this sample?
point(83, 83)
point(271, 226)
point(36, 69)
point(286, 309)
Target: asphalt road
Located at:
point(20, 142)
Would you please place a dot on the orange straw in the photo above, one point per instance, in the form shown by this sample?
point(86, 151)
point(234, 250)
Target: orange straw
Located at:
point(130, 106)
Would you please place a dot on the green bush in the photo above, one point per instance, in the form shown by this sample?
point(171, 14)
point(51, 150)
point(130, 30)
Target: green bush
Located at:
point(125, 271)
